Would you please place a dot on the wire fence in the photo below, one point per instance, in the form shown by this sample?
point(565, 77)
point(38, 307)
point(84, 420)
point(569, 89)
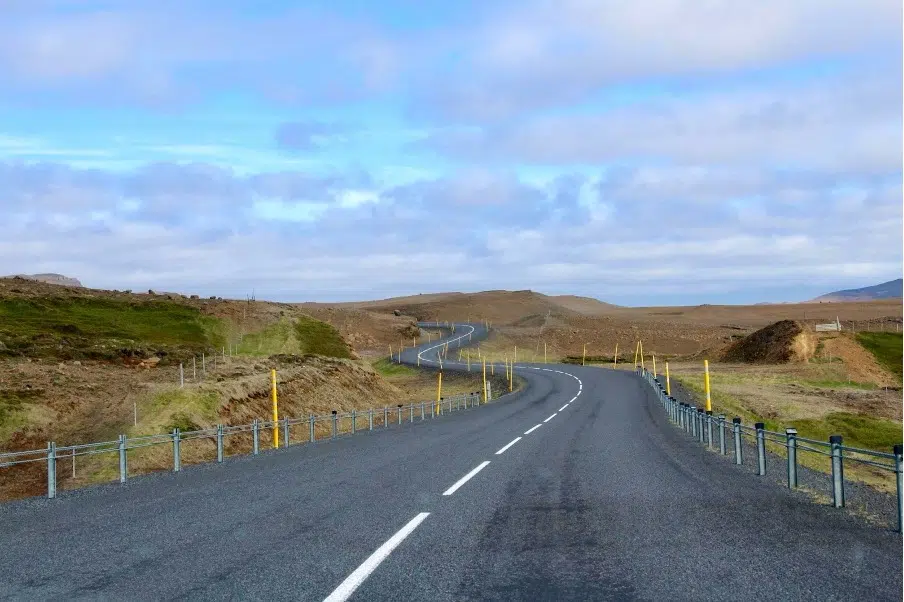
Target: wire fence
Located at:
point(105, 460)
point(749, 445)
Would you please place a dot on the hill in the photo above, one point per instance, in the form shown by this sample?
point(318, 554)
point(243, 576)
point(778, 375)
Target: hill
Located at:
point(779, 343)
point(887, 290)
point(50, 279)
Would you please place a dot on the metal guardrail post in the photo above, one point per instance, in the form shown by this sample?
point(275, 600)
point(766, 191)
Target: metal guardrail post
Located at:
point(791, 439)
point(123, 465)
point(837, 471)
point(432, 410)
point(400, 414)
point(385, 417)
point(51, 470)
point(335, 425)
point(899, 485)
point(722, 434)
point(311, 434)
point(285, 432)
point(255, 437)
point(709, 429)
point(219, 443)
point(738, 450)
point(682, 416)
point(423, 411)
point(760, 448)
point(441, 406)
point(177, 452)
point(354, 422)
point(410, 412)
point(370, 419)
point(693, 417)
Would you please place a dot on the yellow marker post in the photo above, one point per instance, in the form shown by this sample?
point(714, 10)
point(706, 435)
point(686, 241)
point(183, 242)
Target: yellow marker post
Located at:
point(439, 389)
point(668, 384)
point(584, 354)
point(654, 365)
point(615, 357)
point(275, 409)
point(484, 380)
point(511, 376)
point(709, 403)
point(643, 366)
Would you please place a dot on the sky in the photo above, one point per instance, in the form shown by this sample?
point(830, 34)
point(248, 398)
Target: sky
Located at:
point(663, 152)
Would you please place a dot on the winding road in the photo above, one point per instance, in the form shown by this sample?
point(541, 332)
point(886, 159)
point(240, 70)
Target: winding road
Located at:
point(574, 488)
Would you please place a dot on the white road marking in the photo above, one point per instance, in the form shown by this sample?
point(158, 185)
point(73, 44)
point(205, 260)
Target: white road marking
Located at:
point(551, 417)
point(465, 478)
point(351, 583)
point(564, 406)
point(532, 429)
point(514, 441)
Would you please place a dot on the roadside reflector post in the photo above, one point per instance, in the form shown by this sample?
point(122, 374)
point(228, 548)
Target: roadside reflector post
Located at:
point(484, 379)
point(709, 403)
point(760, 448)
point(791, 438)
point(255, 437)
point(899, 484)
point(584, 354)
point(177, 452)
point(219, 443)
point(439, 390)
point(51, 470)
point(335, 423)
point(654, 365)
point(615, 356)
point(837, 471)
point(722, 434)
point(123, 460)
point(275, 409)
point(668, 382)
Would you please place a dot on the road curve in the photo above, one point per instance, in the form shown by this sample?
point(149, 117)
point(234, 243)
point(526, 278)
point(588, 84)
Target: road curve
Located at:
point(575, 488)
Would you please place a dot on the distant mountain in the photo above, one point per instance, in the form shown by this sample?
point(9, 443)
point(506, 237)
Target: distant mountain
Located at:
point(886, 290)
point(50, 279)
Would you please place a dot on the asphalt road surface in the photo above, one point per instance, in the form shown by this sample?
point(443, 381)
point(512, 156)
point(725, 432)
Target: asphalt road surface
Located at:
point(576, 488)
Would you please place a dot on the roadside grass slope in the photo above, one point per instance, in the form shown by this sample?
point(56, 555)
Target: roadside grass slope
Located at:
point(886, 347)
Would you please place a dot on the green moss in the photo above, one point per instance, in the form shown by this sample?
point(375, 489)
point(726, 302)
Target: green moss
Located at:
point(386, 368)
point(858, 431)
point(320, 338)
point(104, 328)
point(274, 339)
point(886, 347)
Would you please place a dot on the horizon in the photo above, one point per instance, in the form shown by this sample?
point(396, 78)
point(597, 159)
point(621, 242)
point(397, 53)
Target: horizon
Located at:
point(342, 151)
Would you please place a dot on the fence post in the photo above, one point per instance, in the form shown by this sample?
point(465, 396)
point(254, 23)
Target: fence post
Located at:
point(738, 450)
point(177, 458)
point(123, 466)
point(51, 470)
point(899, 485)
point(370, 419)
point(722, 434)
point(255, 437)
point(285, 432)
point(709, 429)
point(837, 471)
point(219, 443)
point(760, 448)
point(400, 414)
point(335, 424)
point(354, 422)
point(791, 440)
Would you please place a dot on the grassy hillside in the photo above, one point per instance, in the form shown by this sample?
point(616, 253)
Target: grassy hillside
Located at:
point(103, 328)
point(886, 347)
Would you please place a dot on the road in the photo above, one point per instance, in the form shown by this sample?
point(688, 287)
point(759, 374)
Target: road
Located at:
point(575, 488)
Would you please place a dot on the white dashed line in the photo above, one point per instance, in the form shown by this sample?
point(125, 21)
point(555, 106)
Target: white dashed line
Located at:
point(351, 583)
point(532, 429)
point(563, 407)
point(465, 478)
point(551, 417)
point(514, 441)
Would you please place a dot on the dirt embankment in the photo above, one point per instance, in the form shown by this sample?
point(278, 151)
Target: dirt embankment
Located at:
point(779, 343)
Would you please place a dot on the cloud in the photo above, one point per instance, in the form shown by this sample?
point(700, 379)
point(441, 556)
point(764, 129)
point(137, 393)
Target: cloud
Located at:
point(307, 135)
point(841, 123)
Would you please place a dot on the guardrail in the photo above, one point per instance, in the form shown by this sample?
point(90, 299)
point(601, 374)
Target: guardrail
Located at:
point(355, 420)
point(715, 430)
